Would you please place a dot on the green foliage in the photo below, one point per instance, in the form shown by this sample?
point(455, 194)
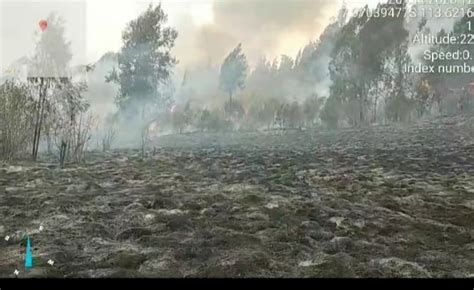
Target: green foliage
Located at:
point(71, 125)
point(233, 72)
point(145, 60)
point(367, 63)
point(346, 68)
point(16, 116)
point(399, 85)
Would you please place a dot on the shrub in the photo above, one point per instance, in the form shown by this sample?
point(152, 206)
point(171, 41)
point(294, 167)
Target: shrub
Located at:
point(213, 121)
point(16, 119)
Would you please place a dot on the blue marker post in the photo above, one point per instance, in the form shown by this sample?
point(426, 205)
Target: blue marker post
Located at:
point(28, 256)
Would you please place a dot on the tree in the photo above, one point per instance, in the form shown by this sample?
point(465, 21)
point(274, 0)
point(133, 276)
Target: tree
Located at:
point(346, 70)
point(311, 64)
point(144, 64)
point(311, 110)
point(233, 72)
point(400, 98)
point(71, 125)
point(48, 66)
point(52, 54)
point(369, 51)
point(16, 127)
point(454, 80)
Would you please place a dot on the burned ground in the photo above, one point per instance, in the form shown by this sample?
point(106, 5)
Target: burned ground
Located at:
point(377, 202)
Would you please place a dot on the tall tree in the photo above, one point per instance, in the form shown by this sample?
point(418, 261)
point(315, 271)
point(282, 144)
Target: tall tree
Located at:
point(52, 55)
point(233, 72)
point(49, 64)
point(145, 61)
point(346, 72)
point(359, 60)
point(454, 81)
point(312, 62)
point(16, 106)
point(71, 126)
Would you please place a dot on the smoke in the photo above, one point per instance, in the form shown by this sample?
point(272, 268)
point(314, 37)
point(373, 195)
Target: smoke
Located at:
point(267, 28)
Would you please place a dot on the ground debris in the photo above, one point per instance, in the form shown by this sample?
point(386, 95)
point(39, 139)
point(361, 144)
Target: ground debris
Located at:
point(371, 202)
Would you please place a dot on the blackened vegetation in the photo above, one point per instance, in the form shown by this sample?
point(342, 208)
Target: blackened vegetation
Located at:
point(256, 186)
point(378, 202)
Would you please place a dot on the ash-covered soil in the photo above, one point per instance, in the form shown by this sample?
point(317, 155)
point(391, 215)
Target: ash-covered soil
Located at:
point(378, 202)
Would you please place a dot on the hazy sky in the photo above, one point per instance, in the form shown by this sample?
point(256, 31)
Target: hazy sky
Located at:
point(208, 29)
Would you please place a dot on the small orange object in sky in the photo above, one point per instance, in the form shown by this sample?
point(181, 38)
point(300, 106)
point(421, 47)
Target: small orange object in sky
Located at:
point(43, 24)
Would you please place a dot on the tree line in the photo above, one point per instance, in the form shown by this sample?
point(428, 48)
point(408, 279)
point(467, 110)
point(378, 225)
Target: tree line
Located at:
point(353, 75)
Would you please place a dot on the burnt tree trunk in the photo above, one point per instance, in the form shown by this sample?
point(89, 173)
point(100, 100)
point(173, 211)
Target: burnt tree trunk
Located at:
point(62, 153)
point(39, 117)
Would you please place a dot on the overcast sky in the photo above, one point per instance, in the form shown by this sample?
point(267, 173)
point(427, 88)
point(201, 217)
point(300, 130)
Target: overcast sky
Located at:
point(208, 29)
